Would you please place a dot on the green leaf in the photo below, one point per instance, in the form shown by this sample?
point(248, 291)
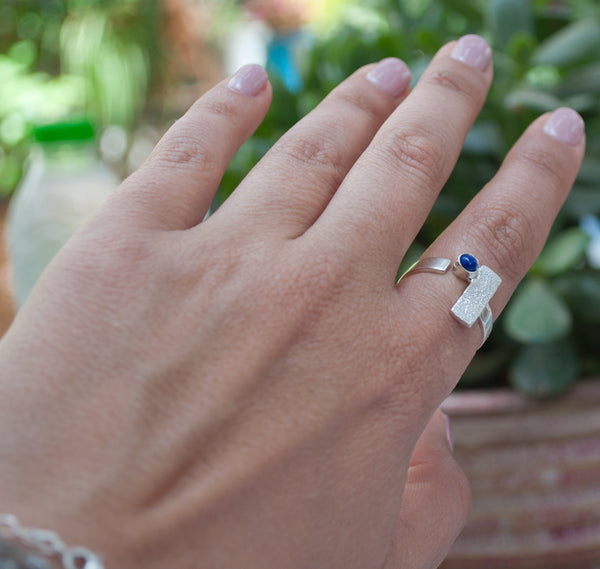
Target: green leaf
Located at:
point(486, 368)
point(485, 137)
point(544, 370)
point(583, 201)
point(509, 17)
point(581, 102)
point(10, 172)
point(573, 43)
point(537, 314)
point(532, 99)
point(581, 290)
point(416, 8)
point(563, 253)
point(543, 77)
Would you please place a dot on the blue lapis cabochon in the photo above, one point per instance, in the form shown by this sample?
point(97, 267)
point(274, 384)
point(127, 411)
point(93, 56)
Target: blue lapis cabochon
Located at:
point(468, 262)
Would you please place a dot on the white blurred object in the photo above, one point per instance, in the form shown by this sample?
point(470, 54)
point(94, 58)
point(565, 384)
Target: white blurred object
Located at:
point(144, 141)
point(65, 183)
point(113, 144)
point(246, 43)
point(590, 225)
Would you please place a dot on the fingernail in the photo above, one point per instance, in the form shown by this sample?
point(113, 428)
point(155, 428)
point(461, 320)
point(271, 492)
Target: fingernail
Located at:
point(391, 75)
point(249, 80)
point(449, 432)
point(566, 126)
point(474, 51)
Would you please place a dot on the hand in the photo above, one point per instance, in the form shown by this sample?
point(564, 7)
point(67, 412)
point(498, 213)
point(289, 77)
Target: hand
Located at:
point(252, 390)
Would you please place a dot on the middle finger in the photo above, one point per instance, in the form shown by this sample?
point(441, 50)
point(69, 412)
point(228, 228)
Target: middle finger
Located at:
point(389, 192)
point(289, 188)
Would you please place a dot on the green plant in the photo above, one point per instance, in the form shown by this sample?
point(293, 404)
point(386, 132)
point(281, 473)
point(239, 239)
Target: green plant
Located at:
point(546, 55)
point(66, 57)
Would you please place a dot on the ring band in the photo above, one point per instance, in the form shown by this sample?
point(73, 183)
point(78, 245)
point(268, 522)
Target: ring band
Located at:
point(473, 304)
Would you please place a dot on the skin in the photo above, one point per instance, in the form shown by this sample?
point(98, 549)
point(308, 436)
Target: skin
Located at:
point(252, 390)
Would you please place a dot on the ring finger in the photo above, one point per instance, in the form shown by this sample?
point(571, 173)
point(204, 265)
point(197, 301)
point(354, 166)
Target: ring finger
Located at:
point(504, 227)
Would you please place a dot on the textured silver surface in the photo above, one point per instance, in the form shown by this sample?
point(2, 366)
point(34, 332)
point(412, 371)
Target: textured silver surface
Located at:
point(472, 303)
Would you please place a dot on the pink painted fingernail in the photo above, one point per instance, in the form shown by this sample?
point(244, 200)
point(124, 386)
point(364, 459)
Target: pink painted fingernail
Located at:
point(449, 431)
point(474, 51)
point(249, 80)
point(566, 126)
point(391, 75)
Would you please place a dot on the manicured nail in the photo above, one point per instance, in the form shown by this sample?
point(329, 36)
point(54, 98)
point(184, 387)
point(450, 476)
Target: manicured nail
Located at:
point(449, 431)
point(474, 51)
point(566, 126)
point(249, 80)
point(390, 75)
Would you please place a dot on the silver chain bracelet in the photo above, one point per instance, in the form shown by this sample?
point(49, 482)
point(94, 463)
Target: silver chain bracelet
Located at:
point(48, 544)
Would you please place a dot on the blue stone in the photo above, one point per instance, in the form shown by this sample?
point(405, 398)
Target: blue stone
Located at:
point(468, 263)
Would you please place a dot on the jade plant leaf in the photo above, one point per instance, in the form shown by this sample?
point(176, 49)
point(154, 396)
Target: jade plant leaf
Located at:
point(581, 291)
point(537, 314)
point(563, 253)
point(583, 200)
point(509, 17)
point(544, 370)
point(532, 99)
point(590, 167)
point(573, 43)
point(485, 137)
point(583, 79)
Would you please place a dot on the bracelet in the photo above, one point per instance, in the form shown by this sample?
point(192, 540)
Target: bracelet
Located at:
point(48, 544)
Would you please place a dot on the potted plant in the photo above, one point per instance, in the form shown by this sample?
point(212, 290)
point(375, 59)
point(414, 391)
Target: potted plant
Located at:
point(526, 415)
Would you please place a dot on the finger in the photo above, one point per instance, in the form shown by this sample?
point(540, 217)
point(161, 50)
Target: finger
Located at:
point(505, 227)
point(176, 185)
point(292, 184)
point(435, 503)
point(387, 195)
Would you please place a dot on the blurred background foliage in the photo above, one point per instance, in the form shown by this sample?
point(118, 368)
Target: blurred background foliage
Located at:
point(546, 55)
point(60, 58)
point(130, 63)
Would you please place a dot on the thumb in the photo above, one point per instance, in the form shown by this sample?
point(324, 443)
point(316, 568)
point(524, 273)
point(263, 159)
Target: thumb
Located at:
point(435, 504)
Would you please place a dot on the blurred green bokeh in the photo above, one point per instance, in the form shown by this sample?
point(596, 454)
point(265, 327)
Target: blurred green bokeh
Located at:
point(546, 55)
point(60, 58)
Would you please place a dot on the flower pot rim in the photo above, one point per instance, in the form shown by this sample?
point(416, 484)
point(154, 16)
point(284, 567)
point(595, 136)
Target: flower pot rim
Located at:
point(503, 401)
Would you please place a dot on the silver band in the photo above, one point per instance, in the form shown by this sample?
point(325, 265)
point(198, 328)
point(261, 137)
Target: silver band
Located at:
point(473, 304)
point(48, 544)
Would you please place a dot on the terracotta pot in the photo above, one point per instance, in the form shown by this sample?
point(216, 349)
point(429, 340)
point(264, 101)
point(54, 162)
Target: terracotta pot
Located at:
point(534, 469)
point(7, 309)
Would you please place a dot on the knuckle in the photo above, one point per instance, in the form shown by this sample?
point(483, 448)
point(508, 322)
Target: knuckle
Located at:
point(462, 84)
point(543, 163)
point(220, 109)
point(504, 233)
point(323, 276)
point(418, 154)
point(126, 257)
point(183, 149)
point(363, 103)
point(317, 285)
point(316, 150)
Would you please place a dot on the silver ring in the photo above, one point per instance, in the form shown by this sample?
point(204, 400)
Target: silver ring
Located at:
point(473, 304)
